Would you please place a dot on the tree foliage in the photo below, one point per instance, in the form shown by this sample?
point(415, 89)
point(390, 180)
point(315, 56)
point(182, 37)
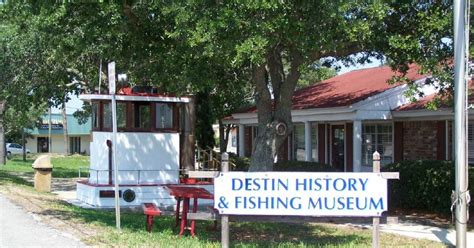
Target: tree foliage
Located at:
point(55, 48)
point(421, 33)
point(313, 74)
point(227, 50)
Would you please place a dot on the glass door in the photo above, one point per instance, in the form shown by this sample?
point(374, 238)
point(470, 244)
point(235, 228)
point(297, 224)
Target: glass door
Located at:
point(42, 144)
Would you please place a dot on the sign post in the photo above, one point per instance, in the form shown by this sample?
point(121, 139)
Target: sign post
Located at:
point(111, 75)
point(461, 51)
point(225, 218)
point(376, 220)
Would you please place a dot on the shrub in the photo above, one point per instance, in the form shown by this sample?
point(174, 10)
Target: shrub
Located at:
point(303, 166)
point(243, 164)
point(424, 185)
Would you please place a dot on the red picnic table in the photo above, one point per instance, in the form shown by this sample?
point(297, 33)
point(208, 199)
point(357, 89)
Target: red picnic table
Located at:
point(185, 193)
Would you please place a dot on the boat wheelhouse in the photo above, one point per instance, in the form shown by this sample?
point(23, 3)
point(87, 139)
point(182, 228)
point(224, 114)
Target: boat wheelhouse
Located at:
point(155, 142)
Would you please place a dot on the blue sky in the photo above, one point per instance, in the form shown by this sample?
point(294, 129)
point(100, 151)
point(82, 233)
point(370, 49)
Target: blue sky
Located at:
point(345, 69)
point(71, 106)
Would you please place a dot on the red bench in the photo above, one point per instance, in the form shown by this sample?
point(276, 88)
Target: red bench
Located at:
point(150, 210)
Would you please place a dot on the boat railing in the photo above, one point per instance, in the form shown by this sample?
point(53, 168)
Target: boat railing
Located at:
point(101, 176)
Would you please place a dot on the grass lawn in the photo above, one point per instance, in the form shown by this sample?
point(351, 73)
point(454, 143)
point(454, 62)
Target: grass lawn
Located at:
point(98, 227)
point(63, 166)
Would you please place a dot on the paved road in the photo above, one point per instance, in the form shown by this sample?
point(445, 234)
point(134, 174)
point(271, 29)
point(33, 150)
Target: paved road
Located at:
point(20, 229)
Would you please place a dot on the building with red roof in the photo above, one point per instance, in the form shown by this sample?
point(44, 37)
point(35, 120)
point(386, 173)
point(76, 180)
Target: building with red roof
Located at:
point(342, 120)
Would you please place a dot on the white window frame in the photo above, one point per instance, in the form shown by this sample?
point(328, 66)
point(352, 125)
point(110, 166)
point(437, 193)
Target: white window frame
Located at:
point(392, 124)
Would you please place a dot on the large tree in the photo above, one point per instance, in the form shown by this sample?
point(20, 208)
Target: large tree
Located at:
point(195, 46)
point(275, 41)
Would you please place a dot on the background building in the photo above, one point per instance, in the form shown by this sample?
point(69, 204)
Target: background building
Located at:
point(78, 135)
point(343, 120)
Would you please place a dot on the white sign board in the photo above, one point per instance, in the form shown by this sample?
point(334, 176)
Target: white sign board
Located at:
point(300, 193)
point(111, 75)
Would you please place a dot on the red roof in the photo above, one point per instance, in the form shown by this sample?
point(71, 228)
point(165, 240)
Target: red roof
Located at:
point(346, 89)
point(422, 103)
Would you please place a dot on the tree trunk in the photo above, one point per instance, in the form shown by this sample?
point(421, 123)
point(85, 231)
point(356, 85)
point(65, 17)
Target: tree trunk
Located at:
point(189, 140)
point(224, 132)
point(23, 143)
point(273, 113)
point(3, 152)
point(222, 139)
point(263, 153)
point(65, 131)
point(227, 133)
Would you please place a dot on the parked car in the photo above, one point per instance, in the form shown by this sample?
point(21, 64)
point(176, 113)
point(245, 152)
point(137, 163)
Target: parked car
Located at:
point(13, 148)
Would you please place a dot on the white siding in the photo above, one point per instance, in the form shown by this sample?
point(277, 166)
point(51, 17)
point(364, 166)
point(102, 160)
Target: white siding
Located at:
point(142, 157)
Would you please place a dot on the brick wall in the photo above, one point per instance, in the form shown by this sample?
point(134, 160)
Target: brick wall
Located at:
point(420, 140)
point(450, 140)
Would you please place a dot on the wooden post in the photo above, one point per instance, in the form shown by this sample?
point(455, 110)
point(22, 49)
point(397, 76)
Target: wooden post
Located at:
point(210, 164)
point(376, 220)
point(198, 158)
point(187, 163)
point(225, 218)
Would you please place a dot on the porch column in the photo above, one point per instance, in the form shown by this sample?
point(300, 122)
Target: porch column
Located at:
point(307, 141)
point(241, 142)
point(357, 146)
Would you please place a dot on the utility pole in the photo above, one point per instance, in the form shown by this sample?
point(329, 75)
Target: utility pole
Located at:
point(460, 116)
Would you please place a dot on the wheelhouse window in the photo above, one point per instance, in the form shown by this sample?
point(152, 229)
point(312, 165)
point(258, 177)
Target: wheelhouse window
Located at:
point(377, 137)
point(136, 116)
point(141, 115)
point(95, 115)
point(121, 115)
point(164, 116)
point(107, 115)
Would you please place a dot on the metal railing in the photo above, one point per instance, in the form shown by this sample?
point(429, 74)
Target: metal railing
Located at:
point(209, 160)
point(97, 176)
point(205, 160)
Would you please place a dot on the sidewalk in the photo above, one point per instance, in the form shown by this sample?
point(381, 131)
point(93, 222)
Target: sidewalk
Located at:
point(446, 236)
point(21, 229)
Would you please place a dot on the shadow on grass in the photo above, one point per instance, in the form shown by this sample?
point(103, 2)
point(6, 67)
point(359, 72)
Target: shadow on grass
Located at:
point(131, 221)
point(243, 234)
point(253, 234)
point(6, 177)
point(67, 173)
